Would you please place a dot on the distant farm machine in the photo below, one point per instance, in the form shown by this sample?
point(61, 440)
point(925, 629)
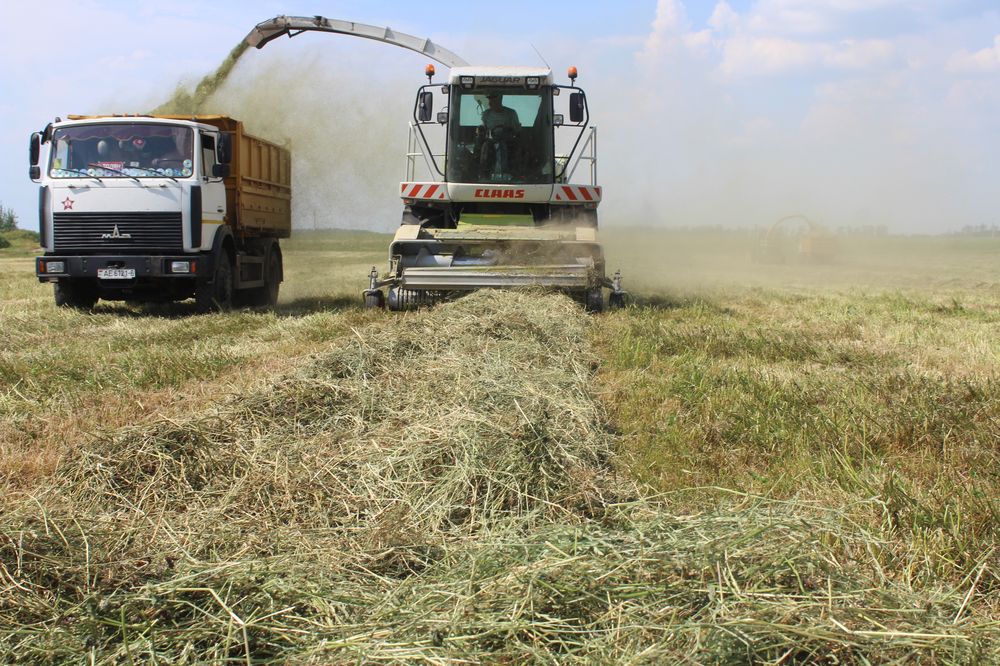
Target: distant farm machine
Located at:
point(498, 208)
point(813, 242)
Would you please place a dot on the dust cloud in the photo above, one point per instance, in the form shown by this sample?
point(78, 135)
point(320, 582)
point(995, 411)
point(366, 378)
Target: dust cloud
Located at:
point(346, 128)
point(678, 154)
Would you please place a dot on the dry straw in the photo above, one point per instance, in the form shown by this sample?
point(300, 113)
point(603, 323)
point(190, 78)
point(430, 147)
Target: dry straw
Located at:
point(438, 488)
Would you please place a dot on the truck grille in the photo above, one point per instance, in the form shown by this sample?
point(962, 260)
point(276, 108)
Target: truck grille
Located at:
point(128, 232)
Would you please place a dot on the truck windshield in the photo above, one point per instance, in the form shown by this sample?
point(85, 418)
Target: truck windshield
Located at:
point(500, 136)
point(125, 150)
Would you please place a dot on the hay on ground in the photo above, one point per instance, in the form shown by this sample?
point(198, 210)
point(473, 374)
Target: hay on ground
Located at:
point(438, 488)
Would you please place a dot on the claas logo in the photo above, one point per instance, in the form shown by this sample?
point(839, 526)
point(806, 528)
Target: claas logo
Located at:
point(483, 193)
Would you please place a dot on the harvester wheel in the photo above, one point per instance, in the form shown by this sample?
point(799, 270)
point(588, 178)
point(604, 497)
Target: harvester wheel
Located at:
point(374, 300)
point(595, 300)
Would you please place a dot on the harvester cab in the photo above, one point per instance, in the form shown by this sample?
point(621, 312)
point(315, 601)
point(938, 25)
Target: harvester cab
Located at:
point(494, 195)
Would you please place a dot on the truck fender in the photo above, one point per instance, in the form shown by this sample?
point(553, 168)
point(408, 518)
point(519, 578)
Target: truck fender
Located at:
point(223, 242)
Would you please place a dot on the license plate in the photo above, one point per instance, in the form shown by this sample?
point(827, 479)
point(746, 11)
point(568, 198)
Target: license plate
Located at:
point(116, 273)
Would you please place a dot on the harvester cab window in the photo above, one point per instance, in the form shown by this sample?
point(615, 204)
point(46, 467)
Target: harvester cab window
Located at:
point(122, 150)
point(500, 136)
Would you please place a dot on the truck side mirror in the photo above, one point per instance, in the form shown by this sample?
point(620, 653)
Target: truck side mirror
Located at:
point(220, 170)
point(425, 106)
point(34, 153)
point(576, 106)
point(224, 149)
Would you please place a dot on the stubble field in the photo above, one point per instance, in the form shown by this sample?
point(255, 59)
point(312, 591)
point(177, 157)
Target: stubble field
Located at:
point(750, 464)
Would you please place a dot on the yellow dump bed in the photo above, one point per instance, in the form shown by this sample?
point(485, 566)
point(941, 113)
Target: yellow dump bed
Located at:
point(259, 187)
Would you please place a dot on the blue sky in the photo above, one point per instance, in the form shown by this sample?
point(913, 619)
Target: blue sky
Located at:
point(714, 112)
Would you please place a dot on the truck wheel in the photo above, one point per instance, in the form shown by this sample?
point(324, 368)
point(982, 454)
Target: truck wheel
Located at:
point(266, 296)
point(217, 296)
point(75, 295)
point(272, 278)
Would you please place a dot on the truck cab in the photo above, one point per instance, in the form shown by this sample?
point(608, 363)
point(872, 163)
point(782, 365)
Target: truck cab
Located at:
point(145, 208)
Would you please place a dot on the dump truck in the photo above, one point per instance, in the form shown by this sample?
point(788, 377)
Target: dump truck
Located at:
point(146, 208)
point(499, 205)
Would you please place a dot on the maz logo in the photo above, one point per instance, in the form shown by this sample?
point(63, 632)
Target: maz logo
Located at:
point(115, 234)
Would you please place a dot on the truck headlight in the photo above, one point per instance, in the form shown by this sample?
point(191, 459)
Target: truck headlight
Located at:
point(180, 266)
point(54, 267)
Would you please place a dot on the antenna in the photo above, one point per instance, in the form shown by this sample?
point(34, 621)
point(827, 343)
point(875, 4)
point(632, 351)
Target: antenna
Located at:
point(540, 56)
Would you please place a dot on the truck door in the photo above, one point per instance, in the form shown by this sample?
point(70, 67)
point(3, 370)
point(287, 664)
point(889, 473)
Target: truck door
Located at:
point(213, 191)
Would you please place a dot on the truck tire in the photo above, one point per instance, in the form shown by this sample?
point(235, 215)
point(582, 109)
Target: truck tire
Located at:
point(267, 296)
point(272, 277)
point(80, 296)
point(217, 296)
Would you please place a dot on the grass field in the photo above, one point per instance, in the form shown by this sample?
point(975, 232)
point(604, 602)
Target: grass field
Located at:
point(750, 464)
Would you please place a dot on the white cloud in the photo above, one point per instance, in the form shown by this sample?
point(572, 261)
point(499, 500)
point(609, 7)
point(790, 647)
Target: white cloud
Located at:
point(752, 56)
point(859, 54)
point(723, 18)
point(749, 45)
point(746, 55)
point(830, 107)
point(817, 17)
point(668, 30)
point(984, 60)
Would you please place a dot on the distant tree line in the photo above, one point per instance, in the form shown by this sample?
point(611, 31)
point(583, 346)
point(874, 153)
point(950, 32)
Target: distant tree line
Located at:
point(981, 230)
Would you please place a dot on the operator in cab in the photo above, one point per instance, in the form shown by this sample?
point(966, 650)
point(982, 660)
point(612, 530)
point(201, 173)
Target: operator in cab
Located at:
point(498, 115)
point(497, 133)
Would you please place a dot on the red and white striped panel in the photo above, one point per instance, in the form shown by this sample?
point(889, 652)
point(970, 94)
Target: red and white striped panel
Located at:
point(577, 194)
point(426, 191)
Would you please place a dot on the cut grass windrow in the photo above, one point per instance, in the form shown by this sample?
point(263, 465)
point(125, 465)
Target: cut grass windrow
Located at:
point(442, 487)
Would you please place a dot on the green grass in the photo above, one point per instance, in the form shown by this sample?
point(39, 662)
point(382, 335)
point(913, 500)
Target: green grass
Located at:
point(18, 243)
point(67, 375)
point(871, 386)
point(816, 449)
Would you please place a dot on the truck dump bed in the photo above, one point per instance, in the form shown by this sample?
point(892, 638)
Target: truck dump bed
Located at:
point(259, 187)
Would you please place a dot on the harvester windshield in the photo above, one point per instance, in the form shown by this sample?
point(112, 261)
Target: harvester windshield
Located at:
point(500, 136)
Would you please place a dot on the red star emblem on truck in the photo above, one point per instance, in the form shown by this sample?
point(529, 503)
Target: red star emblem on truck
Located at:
point(67, 204)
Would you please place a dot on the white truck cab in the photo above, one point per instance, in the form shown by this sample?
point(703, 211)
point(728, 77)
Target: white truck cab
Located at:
point(146, 208)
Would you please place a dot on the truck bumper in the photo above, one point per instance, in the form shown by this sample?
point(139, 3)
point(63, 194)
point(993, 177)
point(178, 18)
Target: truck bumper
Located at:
point(152, 266)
